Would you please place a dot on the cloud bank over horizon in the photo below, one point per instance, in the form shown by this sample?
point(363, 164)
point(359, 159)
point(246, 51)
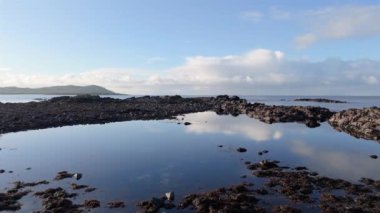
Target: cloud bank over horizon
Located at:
point(256, 72)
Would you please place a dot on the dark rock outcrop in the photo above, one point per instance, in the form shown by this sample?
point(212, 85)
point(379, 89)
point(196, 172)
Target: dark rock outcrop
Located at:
point(237, 198)
point(361, 123)
point(321, 100)
point(311, 116)
point(87, 109)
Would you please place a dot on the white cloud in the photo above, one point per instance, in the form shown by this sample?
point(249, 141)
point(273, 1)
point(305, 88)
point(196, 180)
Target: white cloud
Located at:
point(305, 40)
point(352, 21)
point(371, 79)
point(254, 16)
point(259, 71)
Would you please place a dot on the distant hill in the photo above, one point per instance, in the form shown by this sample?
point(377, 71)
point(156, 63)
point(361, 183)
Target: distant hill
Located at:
point(58, 90)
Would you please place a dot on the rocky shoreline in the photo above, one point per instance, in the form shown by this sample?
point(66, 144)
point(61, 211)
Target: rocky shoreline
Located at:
point(65, 111)
point(302, 189)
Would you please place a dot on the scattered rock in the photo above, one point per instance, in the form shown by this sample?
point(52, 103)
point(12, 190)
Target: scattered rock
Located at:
point(63, 175)
point(300, 168)
point(90, 189)
point(115, 204)
point(57, 200)
point(21, 185)
point(9, 201)
point(76, 186)
point(263, 152)
point(152, 205)
point(234, 199)
point(91, 204)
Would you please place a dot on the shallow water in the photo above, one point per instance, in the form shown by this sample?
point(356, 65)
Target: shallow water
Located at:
point(137, 160)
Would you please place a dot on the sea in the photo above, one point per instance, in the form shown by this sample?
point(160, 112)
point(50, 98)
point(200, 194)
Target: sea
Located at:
point(137, 160)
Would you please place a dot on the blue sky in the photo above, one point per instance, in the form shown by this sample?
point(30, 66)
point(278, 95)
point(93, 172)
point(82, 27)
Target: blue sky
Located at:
point(141, 46)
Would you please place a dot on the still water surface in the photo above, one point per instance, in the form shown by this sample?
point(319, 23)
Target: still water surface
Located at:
point(137, 160)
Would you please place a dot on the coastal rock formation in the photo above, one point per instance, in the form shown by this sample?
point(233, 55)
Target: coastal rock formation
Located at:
point(361, 123)
point(311, 116)
point(320, 100)
point(65, 111)
point(87, 109)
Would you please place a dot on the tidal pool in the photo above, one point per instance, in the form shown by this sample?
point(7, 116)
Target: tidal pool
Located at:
point(136, 160)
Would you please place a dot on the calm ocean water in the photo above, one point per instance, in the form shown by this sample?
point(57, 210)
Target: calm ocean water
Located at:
point(137, 160)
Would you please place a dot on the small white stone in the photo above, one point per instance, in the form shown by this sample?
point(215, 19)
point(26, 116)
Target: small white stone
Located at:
point(77, 176)
point(169, 195)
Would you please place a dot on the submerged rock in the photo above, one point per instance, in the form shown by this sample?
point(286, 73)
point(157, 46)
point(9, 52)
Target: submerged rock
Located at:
point(57, 200)
point(115, 204)
point(152, 205)
point(76, 186)
point(9, 201)
point(91, 204)
point(241, 149)
point(234, 199)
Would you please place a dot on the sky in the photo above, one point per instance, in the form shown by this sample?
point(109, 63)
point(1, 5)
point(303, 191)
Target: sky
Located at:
point(193, 47)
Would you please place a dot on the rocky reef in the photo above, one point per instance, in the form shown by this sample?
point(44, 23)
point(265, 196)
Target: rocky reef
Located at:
point(320, 100)
point(64, 111)
point(87, 109)
point(361, 123)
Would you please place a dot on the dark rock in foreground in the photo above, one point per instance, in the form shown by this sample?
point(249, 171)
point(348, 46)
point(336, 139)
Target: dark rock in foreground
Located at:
point(321, 100)
point(361, 123)
point(237, 198)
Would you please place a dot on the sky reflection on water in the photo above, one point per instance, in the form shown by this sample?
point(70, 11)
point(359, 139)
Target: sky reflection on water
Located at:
point(136, 160)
